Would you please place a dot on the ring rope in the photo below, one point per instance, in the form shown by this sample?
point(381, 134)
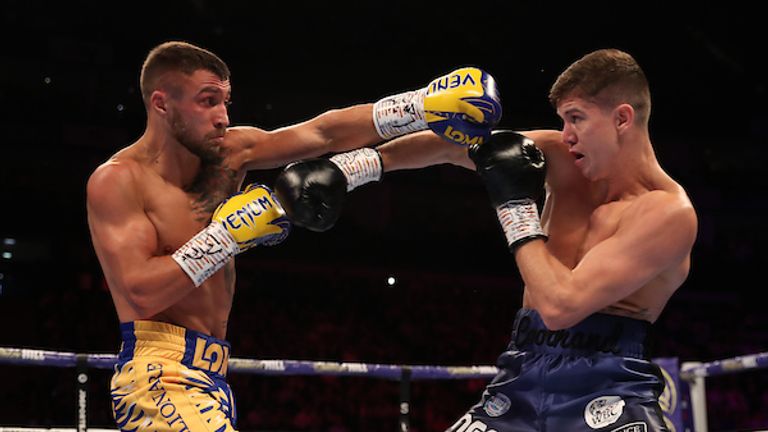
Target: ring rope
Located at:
point(24, 356)
point(725, 366)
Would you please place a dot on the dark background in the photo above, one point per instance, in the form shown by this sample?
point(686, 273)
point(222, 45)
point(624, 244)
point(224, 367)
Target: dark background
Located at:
point(69, 96)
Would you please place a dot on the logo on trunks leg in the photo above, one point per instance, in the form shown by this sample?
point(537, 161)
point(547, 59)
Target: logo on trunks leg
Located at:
point(497, 405)
point(603, 411)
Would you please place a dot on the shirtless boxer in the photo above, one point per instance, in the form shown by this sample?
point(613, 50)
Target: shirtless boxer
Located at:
point(612, 246)
point(167, 216)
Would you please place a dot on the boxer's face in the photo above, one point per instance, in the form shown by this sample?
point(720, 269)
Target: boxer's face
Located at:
point(197, 112)
point(589, 132)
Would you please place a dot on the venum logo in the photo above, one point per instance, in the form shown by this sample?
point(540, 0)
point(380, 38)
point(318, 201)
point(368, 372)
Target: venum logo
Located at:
point(603, 411)
point(451, 82)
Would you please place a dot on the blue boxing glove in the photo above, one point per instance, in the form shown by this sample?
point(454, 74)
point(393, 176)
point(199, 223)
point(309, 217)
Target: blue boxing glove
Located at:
point(462, 107)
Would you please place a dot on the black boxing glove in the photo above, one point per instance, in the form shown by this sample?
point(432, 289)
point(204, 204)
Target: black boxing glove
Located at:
point(312, 191)
point(513, 170)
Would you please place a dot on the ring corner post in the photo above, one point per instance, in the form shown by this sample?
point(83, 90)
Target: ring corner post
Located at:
point(698, 396)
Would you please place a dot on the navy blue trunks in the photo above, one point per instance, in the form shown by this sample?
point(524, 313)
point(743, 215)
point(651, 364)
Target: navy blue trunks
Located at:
point(594, 376)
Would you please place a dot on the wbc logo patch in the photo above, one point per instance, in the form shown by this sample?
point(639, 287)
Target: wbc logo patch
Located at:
point(603, 411)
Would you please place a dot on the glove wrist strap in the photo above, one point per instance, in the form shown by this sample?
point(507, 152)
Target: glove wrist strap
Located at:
point(206, 252)
point(400, 114)
point(360, 166)
point(520, 221)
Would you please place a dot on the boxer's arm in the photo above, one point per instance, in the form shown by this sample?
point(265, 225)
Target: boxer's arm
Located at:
point(334, 131)
point(420, 150)
point(654, 234)
point(562, 173)
point(313, 190)
point(461, 106)
point(126, 243)
point(425, 149)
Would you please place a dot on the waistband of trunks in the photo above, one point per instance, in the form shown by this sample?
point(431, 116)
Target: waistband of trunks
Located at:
point(191, 348)
point(597, 334)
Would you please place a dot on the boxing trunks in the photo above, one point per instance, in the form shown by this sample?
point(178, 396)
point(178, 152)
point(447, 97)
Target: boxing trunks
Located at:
point(590, 377)
point(168, 378)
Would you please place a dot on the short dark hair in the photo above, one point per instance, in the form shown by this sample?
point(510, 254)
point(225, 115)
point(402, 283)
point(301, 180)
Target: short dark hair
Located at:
point(607, 77)
point(180, 57)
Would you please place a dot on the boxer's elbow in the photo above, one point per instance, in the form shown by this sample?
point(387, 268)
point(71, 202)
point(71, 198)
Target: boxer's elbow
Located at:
point(140, 301)
point(143, 299)
point(559, 314)
point(556, 319)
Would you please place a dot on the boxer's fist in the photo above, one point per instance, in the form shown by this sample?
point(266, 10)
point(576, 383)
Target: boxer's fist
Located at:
point(312, 192)
point(253, 217)
point(463, 106)
point(248, 218)
point(513, 170)
point(511, 167)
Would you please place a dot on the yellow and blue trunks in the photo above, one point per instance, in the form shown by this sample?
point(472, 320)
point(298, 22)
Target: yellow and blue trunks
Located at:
point(169, 378)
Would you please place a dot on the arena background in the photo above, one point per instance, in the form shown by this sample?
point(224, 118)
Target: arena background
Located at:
point(69, 97)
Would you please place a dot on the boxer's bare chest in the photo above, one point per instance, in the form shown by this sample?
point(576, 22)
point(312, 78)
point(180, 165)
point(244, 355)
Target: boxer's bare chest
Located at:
point(574, 231)
point(179, 213)
point(573, 234)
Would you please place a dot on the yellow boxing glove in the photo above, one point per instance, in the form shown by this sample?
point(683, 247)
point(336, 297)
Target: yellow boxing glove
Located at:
point(249, 218)
point(253, 217)
point(462, 107)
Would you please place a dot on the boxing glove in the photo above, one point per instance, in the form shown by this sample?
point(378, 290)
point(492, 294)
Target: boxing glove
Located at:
point(248, 218)
point(462, 107)
point(513, 170)
point(312, 191)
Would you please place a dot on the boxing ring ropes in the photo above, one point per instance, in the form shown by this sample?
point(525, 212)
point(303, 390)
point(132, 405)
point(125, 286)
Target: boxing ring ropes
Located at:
point(684, 401)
